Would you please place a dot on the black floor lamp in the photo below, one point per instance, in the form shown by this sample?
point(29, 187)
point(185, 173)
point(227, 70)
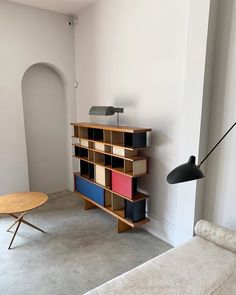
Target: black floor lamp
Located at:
point(191, 171)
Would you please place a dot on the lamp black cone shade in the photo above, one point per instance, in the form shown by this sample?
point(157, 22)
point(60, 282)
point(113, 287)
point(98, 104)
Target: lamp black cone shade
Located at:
point(186, 172)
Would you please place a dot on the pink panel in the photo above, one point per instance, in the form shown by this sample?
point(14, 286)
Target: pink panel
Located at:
point(122, 184)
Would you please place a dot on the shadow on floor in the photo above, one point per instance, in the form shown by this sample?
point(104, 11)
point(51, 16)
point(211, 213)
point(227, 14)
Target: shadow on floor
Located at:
point(80, 250)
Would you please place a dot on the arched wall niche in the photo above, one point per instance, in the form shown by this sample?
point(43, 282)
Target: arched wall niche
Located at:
point(44, 108)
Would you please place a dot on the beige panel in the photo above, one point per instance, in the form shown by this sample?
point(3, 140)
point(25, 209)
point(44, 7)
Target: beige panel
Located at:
point(100, 175)
point(120, 151)
point(75, 140)
point(99, 146)
point(139, 167)
point(84, 142)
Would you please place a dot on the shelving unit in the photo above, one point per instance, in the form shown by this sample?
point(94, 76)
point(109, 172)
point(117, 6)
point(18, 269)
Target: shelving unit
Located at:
point(111, 160)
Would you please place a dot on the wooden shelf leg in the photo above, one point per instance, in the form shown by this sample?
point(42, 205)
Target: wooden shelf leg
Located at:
point(88, 205)
point(122, 226)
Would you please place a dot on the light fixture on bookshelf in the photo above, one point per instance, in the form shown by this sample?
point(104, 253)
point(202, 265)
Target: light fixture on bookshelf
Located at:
point(190, 171)
point(106, 111)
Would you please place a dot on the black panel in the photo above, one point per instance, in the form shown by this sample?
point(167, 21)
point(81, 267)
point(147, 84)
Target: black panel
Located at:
point(108, 175)
point(139, 139)
point(90, 133)
point(107, 160)
point(135, 185)
point(91, 170)
point(77, 151)
point(84, 168)
point(98, 134)
point(128, 139)
point(83, 152)
point(117, 162)
point(135, 211)
point(136, 140)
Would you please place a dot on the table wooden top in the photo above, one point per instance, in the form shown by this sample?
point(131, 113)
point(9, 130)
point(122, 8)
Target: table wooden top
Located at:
point(21, 202)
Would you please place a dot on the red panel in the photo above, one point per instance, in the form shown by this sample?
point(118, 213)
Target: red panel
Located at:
point(122, 184)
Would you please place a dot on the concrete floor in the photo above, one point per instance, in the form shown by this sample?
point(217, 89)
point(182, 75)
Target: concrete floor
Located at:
point(80, 250)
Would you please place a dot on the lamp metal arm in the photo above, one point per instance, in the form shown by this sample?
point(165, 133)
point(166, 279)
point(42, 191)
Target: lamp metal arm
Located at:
point(216, 144)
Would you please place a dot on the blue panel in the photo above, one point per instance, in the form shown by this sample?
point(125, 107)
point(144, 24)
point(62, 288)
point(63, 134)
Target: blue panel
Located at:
point(90, 190)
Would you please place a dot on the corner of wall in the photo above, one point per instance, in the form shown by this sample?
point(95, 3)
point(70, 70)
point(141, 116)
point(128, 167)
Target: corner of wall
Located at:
point(206, 105)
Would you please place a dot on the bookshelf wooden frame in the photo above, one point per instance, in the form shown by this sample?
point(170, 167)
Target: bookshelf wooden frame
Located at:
point(110, 154)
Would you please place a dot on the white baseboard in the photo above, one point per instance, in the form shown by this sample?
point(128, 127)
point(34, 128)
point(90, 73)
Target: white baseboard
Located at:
point(161, 229)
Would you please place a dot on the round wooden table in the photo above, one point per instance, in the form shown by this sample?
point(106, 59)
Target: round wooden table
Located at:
point(21, 203)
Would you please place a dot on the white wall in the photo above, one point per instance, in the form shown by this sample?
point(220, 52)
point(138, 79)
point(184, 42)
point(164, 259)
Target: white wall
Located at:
point(45, 127)
point(29, 36)
point(149, 57)
point(206, 106)
point(220, 200)
point(190, 138)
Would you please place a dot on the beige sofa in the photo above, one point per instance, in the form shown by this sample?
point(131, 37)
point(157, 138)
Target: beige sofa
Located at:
point(204, 265)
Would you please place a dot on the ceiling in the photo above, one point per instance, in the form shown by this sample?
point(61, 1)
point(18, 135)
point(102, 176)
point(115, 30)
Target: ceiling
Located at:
point(69, 7)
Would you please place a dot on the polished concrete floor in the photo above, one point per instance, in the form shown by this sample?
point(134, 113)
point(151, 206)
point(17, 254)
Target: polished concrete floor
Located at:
point(80, 250)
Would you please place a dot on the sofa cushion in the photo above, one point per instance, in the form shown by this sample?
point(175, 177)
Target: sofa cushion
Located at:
point(217, 234)
point(198, 267)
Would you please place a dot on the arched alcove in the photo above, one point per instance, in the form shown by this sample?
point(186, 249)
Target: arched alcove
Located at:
point(45, 128)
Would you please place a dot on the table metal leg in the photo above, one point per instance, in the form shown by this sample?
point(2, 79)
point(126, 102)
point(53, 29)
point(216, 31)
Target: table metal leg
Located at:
point(17, 219)
point(20, 220)
point(26, 222)
point(18, 225)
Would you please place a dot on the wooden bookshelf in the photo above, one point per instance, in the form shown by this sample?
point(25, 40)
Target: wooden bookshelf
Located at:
point(111, 160)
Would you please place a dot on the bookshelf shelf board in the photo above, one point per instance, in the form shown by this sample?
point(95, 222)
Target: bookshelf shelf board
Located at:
point(112, 127)
point(117, 169)
point(113, 213)
point(130, 148)
point(129, 158)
